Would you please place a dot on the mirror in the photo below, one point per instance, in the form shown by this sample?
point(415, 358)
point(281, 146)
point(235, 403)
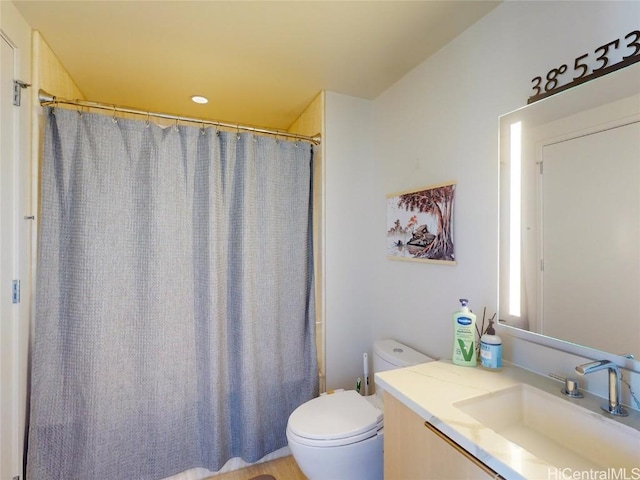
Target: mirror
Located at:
point(570, 217)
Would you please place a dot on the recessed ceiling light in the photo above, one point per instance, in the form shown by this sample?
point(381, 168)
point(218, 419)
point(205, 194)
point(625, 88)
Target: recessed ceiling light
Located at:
point(199, 99)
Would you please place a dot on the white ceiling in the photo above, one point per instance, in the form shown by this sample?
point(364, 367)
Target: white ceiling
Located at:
point(259, 62)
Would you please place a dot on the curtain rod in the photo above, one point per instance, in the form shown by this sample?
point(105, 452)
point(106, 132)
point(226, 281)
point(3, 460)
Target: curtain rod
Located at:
point(48, 99)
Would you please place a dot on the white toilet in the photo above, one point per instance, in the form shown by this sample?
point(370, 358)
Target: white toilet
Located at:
point(340, 435)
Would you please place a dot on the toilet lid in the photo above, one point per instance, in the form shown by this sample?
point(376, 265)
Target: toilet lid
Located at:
point(334, 418)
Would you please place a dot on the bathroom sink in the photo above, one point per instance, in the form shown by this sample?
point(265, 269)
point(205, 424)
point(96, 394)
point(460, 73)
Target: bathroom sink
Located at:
point(555, 430)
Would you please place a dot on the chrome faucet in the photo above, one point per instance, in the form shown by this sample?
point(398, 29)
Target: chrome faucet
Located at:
point(615, 380)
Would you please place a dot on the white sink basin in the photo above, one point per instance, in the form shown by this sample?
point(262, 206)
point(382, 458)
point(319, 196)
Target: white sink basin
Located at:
point(556, 430)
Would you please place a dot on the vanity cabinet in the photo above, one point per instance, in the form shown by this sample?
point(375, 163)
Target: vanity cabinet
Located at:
point(415, 450)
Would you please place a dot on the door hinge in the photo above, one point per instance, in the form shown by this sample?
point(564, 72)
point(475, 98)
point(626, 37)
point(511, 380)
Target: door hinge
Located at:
point(542, 265)
point(17, 477)
point(15, 291)
point(541, 168)
point(18, 85)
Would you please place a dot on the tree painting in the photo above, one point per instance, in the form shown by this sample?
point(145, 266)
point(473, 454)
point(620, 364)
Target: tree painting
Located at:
point(420, 224)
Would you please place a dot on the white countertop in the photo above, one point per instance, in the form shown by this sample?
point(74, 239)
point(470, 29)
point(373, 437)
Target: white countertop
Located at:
point(431, 389)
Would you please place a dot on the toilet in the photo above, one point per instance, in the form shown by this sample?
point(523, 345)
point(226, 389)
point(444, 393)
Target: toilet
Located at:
point(340, 435)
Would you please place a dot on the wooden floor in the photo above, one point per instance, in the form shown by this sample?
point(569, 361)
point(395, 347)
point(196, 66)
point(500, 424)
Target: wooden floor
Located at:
point(283, 468)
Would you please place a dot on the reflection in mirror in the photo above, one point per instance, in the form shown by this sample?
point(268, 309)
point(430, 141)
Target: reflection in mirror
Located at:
point(570, 215)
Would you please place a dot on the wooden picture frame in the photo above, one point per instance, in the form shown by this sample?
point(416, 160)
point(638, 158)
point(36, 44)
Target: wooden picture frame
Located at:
point(420, 224)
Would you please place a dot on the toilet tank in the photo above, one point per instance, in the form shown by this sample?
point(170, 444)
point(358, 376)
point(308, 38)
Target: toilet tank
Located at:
point(389, 355)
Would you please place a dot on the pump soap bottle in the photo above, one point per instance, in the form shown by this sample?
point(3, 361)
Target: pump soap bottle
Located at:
point(491, 349)
point(464, 336)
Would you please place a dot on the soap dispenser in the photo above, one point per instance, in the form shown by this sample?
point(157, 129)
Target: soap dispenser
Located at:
point(491, 349)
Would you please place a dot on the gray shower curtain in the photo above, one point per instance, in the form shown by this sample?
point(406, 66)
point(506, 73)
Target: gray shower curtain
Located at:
point(174, 321)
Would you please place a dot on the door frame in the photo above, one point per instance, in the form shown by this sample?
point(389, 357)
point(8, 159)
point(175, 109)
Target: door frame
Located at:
point(16, 240)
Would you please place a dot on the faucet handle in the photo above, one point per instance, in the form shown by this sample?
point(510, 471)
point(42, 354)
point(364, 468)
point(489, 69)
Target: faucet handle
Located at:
point(571, 388)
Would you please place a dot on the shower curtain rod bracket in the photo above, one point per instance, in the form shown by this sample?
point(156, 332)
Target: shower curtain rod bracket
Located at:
point(45, 98)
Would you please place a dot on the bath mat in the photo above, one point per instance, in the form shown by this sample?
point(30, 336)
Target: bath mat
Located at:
point(263, 477)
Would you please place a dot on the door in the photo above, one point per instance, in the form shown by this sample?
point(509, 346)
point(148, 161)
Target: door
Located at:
point(15, 250)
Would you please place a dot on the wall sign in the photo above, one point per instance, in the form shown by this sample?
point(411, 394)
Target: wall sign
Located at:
point(581, 72)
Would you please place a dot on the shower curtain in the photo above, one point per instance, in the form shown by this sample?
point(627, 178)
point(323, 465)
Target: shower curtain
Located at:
point(174, 319)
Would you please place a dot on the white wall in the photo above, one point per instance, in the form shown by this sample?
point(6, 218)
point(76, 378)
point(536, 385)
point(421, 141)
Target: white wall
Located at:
point(350, 237)
point(439, 123)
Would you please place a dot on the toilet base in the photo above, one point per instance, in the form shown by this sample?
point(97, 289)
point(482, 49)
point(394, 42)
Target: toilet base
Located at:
point(362, 460)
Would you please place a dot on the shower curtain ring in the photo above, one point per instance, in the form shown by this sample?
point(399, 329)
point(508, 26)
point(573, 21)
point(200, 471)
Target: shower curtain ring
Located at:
point(147, 123)
point(114, 119)
point(175, 127)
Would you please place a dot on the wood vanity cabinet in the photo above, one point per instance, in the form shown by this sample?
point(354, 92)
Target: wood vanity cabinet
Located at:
point(415, 450)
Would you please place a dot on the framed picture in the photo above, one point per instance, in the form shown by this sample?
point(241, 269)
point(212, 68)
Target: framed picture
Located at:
point(420, 224)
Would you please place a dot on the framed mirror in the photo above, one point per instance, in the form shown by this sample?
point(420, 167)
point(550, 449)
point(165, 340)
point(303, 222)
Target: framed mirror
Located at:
point(570, 219)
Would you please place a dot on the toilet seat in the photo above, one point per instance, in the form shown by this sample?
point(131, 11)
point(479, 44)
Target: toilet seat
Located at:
point(334, 420)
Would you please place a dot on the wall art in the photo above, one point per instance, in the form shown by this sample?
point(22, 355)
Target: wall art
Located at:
point(420, 224)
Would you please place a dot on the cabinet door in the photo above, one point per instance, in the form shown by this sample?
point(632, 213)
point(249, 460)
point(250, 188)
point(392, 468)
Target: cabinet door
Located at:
point(413, 450)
